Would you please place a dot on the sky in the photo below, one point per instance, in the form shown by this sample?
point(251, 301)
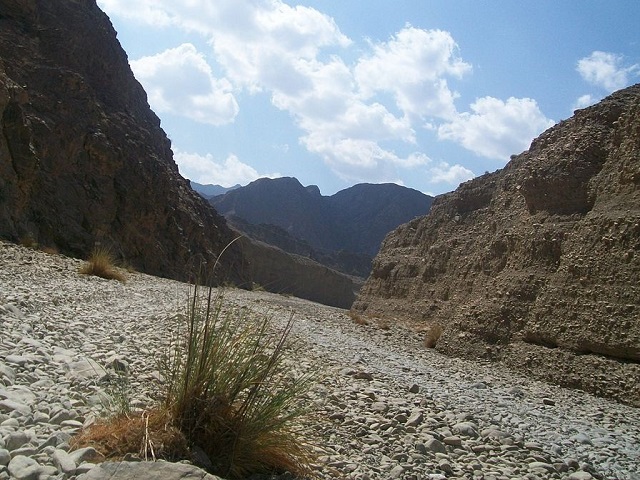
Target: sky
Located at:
point(422, 93)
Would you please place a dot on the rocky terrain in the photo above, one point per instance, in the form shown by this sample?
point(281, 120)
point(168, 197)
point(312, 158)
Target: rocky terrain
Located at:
point(342, 231)
point(384, 406)
point(536, 265)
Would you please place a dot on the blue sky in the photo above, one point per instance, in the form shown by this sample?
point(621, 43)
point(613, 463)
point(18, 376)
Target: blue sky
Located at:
point(425, 94)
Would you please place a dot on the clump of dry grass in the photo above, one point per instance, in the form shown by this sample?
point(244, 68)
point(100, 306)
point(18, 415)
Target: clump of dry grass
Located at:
point(357, 318)
point(432, 335)
point(229, 395)
point(101, 263)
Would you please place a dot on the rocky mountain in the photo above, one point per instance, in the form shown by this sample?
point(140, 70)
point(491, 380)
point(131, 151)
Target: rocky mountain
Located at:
point(209, 190)
point(84, 162)
point(343, 230)
point(536, 265)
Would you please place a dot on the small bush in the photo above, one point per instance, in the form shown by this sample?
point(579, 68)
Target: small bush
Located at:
point(433, 335)
point(101, 264)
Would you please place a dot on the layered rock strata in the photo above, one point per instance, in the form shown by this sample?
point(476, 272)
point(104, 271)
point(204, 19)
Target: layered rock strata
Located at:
point(537, 264)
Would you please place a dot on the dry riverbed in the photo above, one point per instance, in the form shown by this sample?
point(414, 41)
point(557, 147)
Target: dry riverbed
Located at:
point(384, 407)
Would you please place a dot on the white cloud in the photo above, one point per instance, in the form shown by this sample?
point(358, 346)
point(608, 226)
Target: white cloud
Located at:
point(606, 70)
point(180, 81)
point(497, 129)
point(584, 101)
point(451, 174)
point(205, 170)
point(413, 66)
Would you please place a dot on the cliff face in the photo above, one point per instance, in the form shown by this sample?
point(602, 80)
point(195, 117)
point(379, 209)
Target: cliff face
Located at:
point(83, 159)
point(536, 265)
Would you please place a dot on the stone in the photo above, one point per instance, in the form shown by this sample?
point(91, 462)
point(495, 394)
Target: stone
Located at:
point(415, 419)
point(5, 457)
point(396, 472)
point(24, 468)
point(63, 462)
point(466, 429)
point(146, 471)
point(9, 406)
point(580, 476)
point(453, 440)
point(15, 440)
point(434, 445)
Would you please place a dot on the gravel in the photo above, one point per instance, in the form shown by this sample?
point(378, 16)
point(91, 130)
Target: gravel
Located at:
point(384, 406)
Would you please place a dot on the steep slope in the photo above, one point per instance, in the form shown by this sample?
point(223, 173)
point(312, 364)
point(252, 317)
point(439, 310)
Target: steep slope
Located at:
point(83, 159)
point(343, 231)
point(366, 212)
point(537, 265)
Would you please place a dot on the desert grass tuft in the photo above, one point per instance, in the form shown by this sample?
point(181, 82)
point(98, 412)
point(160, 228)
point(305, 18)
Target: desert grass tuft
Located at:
point(357, 318)
point(101, 263)
point(229, 394)
point(432, 335)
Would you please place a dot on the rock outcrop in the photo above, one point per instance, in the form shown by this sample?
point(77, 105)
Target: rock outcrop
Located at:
point(83, 160)
point(536, 265)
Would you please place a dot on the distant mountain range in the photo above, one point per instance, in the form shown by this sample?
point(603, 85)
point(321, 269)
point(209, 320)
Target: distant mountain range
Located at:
point(208, 191)
point(343, 231)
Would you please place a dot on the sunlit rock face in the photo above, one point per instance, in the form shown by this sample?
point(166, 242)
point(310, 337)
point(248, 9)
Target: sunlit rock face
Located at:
point(536, 265)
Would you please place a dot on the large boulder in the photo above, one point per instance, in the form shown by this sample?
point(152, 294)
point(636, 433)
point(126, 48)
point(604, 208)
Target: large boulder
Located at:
point(536, 265)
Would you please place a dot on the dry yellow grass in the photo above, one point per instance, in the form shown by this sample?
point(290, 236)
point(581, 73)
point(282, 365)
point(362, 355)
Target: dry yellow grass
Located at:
point(101, 264)
point(433, 335)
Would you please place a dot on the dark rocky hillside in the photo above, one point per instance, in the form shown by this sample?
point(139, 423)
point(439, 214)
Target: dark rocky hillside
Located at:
point(536, 265)
point(83, 159)
point(84, 162)
point(343, 231)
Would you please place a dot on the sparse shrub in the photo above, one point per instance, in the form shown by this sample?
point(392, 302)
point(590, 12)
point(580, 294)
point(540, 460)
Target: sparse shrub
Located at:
point(49, 250)
point(101, 264)
point(433, 335)
point(28, 241)
point(357, 318)
point(229, 393)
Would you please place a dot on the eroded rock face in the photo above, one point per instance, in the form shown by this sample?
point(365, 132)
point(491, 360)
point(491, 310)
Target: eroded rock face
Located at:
point(83, 159)
point(538, 264)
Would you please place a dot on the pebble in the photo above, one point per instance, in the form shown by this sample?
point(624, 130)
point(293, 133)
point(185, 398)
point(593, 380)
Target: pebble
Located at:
point(385, 407)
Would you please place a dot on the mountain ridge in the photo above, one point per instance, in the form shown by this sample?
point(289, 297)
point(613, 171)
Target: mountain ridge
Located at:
point(351, 222)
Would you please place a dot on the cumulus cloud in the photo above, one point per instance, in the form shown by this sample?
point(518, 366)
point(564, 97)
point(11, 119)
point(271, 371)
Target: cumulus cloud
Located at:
point(606, 70)
point(413, 66)
point(450, 174)
point(584, 101)
point(205, 169)
point(497, 129)
point(359, 116)
point(180, 81)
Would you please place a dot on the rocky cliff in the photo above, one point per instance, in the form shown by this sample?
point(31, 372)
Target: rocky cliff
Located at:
point(536, 265)
point(83, 159)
